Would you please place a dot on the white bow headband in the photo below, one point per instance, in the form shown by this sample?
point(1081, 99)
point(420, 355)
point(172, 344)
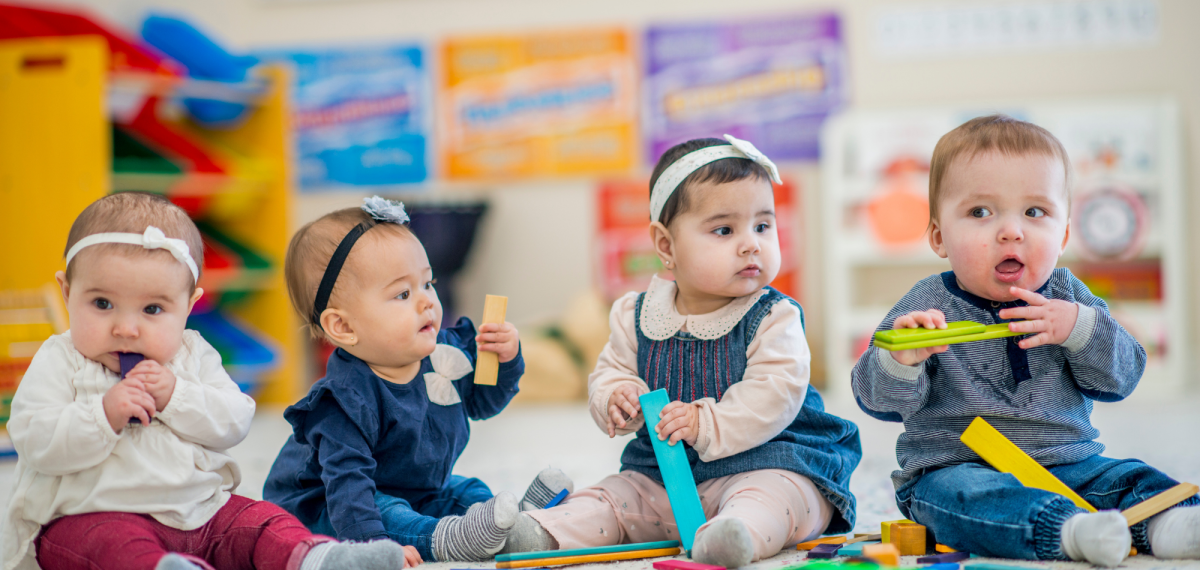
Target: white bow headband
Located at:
point(153, 238)
point(669, 180)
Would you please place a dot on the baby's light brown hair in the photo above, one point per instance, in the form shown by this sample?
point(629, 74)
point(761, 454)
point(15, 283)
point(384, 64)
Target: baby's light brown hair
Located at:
point(133, 212)
point(999, 133)
point(311, 249)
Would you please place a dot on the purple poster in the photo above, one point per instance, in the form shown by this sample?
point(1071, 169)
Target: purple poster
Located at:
point(770, 81)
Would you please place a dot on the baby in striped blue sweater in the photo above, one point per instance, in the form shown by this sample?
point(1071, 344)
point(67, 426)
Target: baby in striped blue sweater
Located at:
point(999, 204)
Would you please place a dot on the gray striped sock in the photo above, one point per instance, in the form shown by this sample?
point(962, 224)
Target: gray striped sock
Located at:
point(545, 487)
point(477, 535)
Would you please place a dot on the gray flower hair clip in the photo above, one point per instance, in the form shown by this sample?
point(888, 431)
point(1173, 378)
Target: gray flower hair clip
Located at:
point(384, 210)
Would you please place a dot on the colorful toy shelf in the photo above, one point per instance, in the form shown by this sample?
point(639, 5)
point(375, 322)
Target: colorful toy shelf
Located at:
point(1127, 241)
point(27, 318)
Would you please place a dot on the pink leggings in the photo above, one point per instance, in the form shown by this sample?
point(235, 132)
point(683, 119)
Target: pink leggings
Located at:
point(779, 508)
point(244, 534)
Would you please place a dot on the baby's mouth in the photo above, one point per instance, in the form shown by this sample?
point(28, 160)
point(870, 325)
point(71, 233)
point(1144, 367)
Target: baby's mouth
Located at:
point(1010, 270)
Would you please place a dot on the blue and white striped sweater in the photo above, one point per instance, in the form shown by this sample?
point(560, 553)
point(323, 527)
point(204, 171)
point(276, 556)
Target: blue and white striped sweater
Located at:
point(1039, 398)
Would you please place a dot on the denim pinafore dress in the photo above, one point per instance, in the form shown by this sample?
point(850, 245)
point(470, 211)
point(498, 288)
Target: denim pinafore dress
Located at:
point(818, 445)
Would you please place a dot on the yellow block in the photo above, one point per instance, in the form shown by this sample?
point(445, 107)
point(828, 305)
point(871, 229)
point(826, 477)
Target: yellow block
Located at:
point(54, 150)
point(1006, 457)
point(885, 529)
point(487, 364)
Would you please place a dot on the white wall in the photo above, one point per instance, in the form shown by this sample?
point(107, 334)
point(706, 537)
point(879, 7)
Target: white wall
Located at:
point(537, 241)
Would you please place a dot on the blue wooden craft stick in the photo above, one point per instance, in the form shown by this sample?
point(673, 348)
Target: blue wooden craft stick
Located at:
point(557, 499)
point(944, 557)
point(586, 551)
point(676, 472)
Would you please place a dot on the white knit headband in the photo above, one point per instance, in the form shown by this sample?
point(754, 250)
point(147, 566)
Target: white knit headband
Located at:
point(153, 238)
point(669, 180)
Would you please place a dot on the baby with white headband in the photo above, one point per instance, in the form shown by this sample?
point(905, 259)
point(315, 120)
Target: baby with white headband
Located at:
point(96, 489)
point(772, 468)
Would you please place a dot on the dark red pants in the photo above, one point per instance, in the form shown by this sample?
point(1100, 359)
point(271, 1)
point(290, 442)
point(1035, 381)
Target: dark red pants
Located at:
point(244, 534)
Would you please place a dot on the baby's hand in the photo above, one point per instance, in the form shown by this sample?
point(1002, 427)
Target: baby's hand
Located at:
point(127, 399)
point(623, 406)
point(500, 339)
point(158, 380)
point(411, 556)
point(679, 421)
point(931, 319)
point(1052, 319)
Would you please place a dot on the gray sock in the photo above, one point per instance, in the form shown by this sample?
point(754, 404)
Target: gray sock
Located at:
point(725, 542)
point(528, 536)
point(375, 555)
point(545, 487)
point(174, 561)
point(477, 535)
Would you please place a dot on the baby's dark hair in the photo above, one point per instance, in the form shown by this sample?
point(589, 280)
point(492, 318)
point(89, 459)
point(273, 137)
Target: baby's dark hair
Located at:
point(722, 171)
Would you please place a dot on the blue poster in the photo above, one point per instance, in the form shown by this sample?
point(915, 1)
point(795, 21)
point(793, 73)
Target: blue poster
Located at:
point(360, 115)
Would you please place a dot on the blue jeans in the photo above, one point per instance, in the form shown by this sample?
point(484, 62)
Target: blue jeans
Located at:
point(413, 524)
point(973, 508)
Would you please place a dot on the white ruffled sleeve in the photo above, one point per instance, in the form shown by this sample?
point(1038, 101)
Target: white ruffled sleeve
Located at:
point(617, 364)
point(770, 394)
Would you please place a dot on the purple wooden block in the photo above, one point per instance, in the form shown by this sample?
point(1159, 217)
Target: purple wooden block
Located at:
point(128, 361)
point(944, 558)
point(824, 551)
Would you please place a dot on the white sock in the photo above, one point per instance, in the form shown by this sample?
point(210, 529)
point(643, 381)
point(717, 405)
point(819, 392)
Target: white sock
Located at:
point(375, 555)
point(1100, 538)
point(1175, 533)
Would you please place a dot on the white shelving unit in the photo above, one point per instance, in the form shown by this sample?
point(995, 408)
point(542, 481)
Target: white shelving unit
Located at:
point(1128, 147)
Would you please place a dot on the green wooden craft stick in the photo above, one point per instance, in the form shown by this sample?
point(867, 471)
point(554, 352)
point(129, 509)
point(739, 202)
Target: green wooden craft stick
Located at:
point(587, 551)
point(902, 336)
point(991, 331)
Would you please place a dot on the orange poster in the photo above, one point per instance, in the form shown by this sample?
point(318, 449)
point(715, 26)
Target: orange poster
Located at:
point(544, 104)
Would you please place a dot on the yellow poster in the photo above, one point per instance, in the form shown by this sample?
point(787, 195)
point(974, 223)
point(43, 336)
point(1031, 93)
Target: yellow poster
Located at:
point(544, 104)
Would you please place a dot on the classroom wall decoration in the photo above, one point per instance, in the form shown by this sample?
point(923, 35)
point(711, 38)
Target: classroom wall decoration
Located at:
point(541, 104)
point(361, 115)
point(625, 258)
point(771, 81)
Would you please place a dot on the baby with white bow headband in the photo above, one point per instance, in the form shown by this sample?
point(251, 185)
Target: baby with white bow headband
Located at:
point(158, 492)
point(772, 467)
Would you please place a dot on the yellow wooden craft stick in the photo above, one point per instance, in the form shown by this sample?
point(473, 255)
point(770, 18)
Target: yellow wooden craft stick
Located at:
point(1006, 457)
point(564, 560)
point(1159, 503)
point(487, 364)
point(823, 540)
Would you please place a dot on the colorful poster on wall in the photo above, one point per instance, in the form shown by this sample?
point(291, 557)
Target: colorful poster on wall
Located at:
point(543, 104)
point(361, 116)
point(625, 255)
point(770, 81)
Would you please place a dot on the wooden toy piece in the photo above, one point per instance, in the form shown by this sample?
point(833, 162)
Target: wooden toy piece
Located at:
point(944, 566)
point(586, 559)
point(944, 558)
point(909, 538)
point(487, 364)
point(128, 361)
point(855, 549)
point(943, 549)
point(676, 472)
point(1006, 457)
point(1133, 551)
point(557, 499)
point(884, 553)
point(827, 550)
point(1159, 503)
point(886, 529)
point(823, 540)
point(908, 339)
point(993, 567)
point(864, 538)
point(587, 551)
point(684, 565)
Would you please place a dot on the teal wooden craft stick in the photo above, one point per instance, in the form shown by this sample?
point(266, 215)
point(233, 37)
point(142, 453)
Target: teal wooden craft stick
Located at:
point(676, 472)
point(587, 551)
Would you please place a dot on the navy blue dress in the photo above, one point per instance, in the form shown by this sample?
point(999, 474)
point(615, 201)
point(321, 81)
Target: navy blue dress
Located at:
point(361, 445)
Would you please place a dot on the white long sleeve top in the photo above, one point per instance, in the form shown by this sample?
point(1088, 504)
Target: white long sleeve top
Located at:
point(70, 461)
point(752, 411)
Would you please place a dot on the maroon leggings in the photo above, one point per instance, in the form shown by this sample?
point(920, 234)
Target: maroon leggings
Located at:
point(244, 534)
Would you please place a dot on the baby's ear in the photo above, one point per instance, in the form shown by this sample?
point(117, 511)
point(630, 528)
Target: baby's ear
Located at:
point(338, 328)
point(61, 278)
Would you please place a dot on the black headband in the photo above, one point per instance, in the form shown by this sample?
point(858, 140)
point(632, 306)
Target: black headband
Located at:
point(334, 269)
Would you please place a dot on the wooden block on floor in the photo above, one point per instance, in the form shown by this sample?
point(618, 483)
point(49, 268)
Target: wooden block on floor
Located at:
point(884, 553)
point(824, 551)
point(943, 548)
point(909, 538)
point(855, 549)
point(684, 565)
point(823, 540)
point(1159, 503)
point(886, 531)
point(487, 364)
point(944, 558)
